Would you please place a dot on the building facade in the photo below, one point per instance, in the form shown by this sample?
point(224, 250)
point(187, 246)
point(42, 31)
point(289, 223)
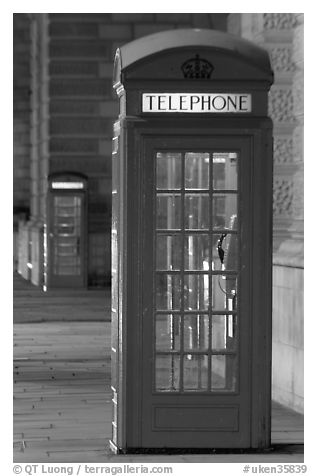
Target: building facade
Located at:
point(282, 35)
point(64, 109)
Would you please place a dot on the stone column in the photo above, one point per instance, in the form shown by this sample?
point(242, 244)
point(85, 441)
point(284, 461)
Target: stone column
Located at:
point(39, 141)
point(21, 142)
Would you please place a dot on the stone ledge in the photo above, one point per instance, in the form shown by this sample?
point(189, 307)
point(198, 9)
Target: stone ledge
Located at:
point(290, 253)
point(295, 402)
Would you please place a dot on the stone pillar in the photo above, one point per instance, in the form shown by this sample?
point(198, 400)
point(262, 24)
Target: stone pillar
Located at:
point(39, 141)
point(282, 35)
point(21, 140)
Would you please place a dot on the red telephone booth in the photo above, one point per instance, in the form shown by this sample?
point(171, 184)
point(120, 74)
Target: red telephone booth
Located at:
point(192, 200)
point(65, 238)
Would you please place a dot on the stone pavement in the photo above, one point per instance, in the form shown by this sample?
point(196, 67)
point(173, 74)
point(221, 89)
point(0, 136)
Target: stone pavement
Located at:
point(32, 304)
point(62, 400)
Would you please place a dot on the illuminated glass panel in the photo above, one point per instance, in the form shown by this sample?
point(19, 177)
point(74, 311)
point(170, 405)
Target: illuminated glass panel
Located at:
point(224, 292)
point(168, 211)
point(223, 332)
point(225, 170)
point(196, 252)
point(168, 170)
point(196, 332)
point(196, 170)
point(167, 372)
point(168, 256)
point(196, 213)
point(225, 211)
point(196, 292)
point(67, 185)
point(168, 291)
point(195, 372)
point(223, 373)
point(167, 332)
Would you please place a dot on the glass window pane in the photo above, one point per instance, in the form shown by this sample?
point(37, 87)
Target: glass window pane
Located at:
point(167, 332)
point(168, 252)
point(65, 211)
point(65, 252)
point(228, 252)
point(168, 291)
point(196, 170)
point(66, 201)
point(168, 170)
point(224, 372)
point(224, 293)
point(167, 373)
point(69, 260)
point(196, 332)
point(195, 372)
point(66, 241)
point(224, 170)
point(196, 252)
point(196, 291)
point(66, 270)
point(223, 332)
point(67, 245)
point(64, 229)
point(225, 211)
point(63, 220)
point(168, 211)
point(196, 211)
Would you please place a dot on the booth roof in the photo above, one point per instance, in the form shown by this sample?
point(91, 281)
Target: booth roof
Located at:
point(147, 46)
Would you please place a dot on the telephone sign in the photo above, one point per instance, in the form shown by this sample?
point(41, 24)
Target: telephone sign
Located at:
point(196, 102)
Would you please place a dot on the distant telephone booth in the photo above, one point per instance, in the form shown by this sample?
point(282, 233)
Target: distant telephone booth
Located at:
point(191, 243)
point(65, 240)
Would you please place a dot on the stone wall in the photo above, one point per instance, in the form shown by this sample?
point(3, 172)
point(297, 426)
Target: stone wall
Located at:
point(282, 35)
point(21, 111)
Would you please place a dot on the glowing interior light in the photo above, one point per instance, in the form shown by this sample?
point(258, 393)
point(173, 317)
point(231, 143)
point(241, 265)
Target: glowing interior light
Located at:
point(218, 160)
point(68, 185)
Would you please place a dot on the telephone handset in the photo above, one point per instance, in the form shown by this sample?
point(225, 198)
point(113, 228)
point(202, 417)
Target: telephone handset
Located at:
point(228, 257)
point(221, 252)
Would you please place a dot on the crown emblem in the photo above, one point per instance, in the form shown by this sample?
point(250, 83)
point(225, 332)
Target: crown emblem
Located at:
point(197, 68)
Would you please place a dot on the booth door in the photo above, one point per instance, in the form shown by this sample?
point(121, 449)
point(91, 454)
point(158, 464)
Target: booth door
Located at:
point(196, 323)
point(66, 240)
